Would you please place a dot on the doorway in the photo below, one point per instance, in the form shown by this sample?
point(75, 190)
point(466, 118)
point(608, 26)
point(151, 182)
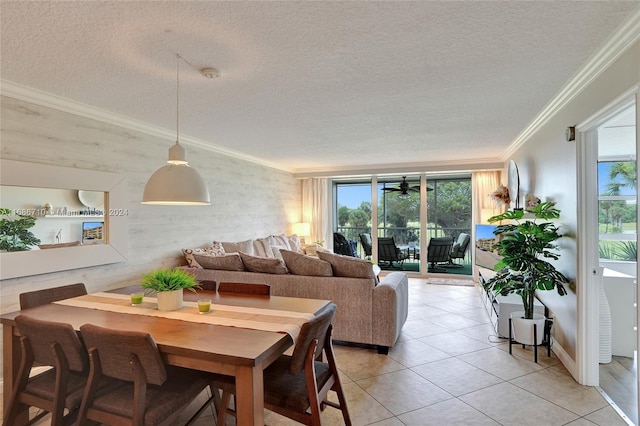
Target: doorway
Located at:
point(608, 218)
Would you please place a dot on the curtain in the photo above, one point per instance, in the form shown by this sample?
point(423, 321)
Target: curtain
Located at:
point(315, 208)
point(484, 184)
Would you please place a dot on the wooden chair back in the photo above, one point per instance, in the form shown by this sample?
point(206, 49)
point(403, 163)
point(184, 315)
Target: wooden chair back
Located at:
point(244, 288)
point(31, 299)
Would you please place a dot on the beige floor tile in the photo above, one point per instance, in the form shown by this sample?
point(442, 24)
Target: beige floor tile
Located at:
point(421, 328)
point(364, 409)
point(484, 333)
point(500, 363)
point(388, 422)
point(403, 391)
point(447, 374)
point(580, 422)
point(453, 321)
point(509, 405)
point(454, 343)
point(364, 363)
point(560, 388)
point(450, 412)
point(606, 416)
point(415, 352)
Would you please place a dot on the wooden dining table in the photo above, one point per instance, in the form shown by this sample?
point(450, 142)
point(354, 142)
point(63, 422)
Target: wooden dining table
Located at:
point(235, 351)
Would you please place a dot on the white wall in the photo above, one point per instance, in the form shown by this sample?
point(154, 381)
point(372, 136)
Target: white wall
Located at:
point(547, 165)
point(248, 200)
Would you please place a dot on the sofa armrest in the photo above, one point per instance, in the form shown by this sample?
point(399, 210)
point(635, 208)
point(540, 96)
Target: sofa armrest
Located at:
point(390, 308)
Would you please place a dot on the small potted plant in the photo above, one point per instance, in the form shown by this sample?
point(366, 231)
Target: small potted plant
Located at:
point(168, 285)
point(524, 246)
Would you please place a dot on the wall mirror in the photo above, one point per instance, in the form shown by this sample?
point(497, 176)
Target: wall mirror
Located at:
point(90, 187)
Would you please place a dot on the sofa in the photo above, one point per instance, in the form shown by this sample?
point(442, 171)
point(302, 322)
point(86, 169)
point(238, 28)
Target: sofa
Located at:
point(370, 310)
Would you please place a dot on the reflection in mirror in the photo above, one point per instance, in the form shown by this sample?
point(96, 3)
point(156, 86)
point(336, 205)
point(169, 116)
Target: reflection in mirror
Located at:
point(64, 217)
point(79, 240)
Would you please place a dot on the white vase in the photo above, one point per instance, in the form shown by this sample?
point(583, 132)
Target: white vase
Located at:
point(522, 328)
point(169, 300)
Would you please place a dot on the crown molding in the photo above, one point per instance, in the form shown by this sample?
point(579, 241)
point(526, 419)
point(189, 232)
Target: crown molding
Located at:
point(20, 92)
point(624, 37)
point(471, 165)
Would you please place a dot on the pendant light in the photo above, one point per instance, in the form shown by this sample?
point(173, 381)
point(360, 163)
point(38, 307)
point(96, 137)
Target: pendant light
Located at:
point(176, 183)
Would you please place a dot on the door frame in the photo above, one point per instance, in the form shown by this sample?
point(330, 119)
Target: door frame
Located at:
point(588, 274)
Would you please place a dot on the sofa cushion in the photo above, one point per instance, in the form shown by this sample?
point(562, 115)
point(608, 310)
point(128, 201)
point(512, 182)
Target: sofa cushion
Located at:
point(300, 264)
point(227, 262)
point(263, 264)
point(190, 252)
point(262, 247)
point(239, 247)
point(347, 266)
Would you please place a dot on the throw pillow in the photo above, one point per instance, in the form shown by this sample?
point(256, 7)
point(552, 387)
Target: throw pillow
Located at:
point(294, 243)
point(263, 264)
point(299, 264)
point(217, 249)
point(240, 247)
point(347, 266)
point(189, 253)
point(276, 252)
point(262, 247)
point(280, 240)
point(227, 262)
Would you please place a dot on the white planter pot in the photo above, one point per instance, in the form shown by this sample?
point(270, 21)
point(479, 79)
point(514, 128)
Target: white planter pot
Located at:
point(169, 300)
point(522, 328)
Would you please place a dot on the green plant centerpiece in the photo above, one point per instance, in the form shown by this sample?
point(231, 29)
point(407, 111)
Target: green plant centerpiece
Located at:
point(168, 285)
point(14, 231)
point(524, 246)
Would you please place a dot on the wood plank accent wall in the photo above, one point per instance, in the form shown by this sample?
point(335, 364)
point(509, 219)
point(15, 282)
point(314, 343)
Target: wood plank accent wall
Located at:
point(248, 200)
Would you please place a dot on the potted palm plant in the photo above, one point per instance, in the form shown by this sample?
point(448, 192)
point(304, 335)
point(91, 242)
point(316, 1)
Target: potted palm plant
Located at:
point(168, 285)
point(525, 246)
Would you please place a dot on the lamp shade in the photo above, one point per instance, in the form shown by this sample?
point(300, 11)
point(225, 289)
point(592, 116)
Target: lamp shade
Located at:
point(176, 184)
point(302, 229)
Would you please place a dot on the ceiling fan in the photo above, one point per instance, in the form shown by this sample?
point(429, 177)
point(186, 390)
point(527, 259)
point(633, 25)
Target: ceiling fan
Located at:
point(404, 188)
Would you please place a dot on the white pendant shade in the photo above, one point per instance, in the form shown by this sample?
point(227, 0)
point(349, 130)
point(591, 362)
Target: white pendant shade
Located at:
point(176, 183)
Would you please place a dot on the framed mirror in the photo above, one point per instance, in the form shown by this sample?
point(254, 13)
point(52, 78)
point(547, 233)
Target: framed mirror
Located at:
point(112, 187)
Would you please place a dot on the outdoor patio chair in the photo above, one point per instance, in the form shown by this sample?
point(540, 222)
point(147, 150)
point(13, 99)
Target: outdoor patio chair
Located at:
point(438, 251)
point(365, 241)
point(459, 250)
point(389, 255)
point(343, 246)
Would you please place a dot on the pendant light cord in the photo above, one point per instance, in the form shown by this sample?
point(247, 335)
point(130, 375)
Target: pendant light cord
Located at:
point(177, 99)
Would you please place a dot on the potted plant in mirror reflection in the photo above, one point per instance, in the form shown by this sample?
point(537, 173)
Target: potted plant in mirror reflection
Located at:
point(14, 232)
point(525, 247)
point(168, 285)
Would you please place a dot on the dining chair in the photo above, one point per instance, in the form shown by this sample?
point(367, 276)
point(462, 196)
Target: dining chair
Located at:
point(149, 393)
point(296, 386)
point(245, 288)
point(56, 345)
point(31, 299)
point(208, 285)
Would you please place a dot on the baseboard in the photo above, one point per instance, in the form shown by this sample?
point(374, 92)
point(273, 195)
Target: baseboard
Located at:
point(566, 360)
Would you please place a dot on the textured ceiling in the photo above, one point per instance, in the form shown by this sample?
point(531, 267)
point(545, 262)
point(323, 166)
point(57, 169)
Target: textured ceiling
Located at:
point(314, 85)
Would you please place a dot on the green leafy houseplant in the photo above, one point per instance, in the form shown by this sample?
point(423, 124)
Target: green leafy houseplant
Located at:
point(160, 280)
point(14, 232)
point(524, 245)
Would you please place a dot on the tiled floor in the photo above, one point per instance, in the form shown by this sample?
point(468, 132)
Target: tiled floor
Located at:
point(448, 368)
